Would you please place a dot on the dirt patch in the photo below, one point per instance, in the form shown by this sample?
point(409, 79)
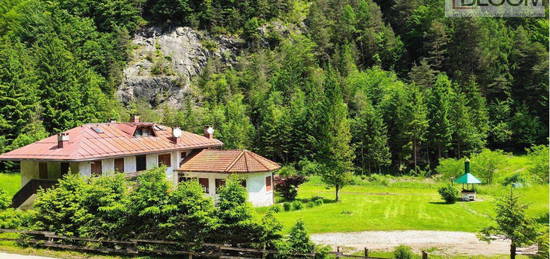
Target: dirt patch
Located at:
point(444, 242)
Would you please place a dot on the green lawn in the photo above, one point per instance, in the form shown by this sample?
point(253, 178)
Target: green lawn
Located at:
point(402, 206)
point(10, 183)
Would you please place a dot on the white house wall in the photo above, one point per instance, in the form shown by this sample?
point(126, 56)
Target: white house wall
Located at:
point(255, 186)
point(129, 164)
point(85, 169)
point(152, 161)
point(108, 166)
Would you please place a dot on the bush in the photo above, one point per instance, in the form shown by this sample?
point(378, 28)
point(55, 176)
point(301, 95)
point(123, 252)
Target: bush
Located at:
point(379, 179)
point(275, 209)
point(449, 193)
point(538, 156)
point(484, 165)
point(319, 202)
point(288, 186)
point(4, 200)
point(297, 205)
point(287, 206)
point(15, 219)
point(310, 204)
point(403, 252)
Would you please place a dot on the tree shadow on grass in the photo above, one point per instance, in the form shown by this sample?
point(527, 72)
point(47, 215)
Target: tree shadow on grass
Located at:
point(440, 203)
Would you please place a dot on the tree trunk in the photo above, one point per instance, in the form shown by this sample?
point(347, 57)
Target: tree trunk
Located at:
point(414, 153)
point(512, 251)
point(337, 192)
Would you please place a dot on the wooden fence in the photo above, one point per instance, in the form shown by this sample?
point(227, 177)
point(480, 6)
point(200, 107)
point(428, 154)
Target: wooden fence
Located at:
point(158, 247)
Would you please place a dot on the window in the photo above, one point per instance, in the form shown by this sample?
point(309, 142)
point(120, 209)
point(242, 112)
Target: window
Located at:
point(165, 160)
point(119, 165)
point(144, 132)
point(64, 169)
point(184, 178)
point(268, 186)
point(96, 168)
point(43, 170)
point(243, 183)
point(204, 183)
point(141, 163)
point(219, 183)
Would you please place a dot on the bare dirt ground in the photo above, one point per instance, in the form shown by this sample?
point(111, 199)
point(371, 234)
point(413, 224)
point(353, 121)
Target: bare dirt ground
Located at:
point(443, 242)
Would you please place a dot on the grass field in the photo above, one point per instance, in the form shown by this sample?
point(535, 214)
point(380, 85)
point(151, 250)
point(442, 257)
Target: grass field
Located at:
point(402, 206)
point(10, 183)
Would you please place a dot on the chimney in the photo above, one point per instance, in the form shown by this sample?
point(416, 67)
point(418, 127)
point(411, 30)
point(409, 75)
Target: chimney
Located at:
point(62, 139)
point(176, 135)
point(209, 132)
point(135, 118)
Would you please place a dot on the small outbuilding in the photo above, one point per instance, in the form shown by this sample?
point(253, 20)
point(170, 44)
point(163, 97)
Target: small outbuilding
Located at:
point(212, 167)
point(467, 179)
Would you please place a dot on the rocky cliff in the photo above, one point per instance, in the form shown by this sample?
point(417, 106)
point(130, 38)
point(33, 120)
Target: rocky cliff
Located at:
point(165, 61)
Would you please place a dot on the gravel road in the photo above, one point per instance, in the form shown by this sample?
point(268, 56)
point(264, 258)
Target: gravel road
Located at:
point(447, 242)
point(16, 256)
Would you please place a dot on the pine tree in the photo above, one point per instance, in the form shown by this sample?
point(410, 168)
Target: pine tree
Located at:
point(236, 131)
point(370, 140)
point(272, 137)
point(422, 75)
point(299, 241)
point(439, 111)
point(335, 150)
point(465, 136)
point(512, 223)
point(18, 86)
point(416, 121)
point(437, 40)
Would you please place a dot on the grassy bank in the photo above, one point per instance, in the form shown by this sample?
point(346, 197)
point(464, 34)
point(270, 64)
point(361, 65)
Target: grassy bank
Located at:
point(10, 183)
point(402, 205)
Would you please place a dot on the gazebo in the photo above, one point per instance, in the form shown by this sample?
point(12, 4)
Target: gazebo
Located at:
point(465, 179)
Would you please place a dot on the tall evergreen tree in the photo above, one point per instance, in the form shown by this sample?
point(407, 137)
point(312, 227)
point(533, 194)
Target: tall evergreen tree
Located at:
point(440, 128)
point(335, 150)
point(370, 140)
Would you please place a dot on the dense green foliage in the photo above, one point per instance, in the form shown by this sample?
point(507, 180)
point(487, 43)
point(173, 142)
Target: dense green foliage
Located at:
point(111, 207)
point(403, 252)
point(4, 199)
point(449, 194)
point(361, 86)
point(512, 223)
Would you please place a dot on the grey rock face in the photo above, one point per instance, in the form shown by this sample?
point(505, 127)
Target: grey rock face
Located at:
point(164, 62)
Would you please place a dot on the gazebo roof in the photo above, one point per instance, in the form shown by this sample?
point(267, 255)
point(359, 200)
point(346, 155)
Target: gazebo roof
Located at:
point(467, 178)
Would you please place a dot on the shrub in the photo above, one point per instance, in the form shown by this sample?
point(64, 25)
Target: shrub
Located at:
point(379, 179)
point(403, 252)
point(297, 205)
point(449, 193)
point(288, 186)
point(15, 219)
point(310, 204)
point(275, 209)
point(287, 206)
point(484, 165)
point(514, 180)
point(4, 200)
point(319, 202)
point(538, 156)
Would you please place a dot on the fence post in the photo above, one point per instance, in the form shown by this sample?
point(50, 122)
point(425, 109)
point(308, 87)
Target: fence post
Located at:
point(337, 252)
point(424, 255)
point(366, 252)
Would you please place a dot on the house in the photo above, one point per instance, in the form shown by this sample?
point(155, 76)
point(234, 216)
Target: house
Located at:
point(97, 149)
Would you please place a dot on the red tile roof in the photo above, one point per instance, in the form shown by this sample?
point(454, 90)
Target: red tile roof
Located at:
point(116, 140)
point(228, 161)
